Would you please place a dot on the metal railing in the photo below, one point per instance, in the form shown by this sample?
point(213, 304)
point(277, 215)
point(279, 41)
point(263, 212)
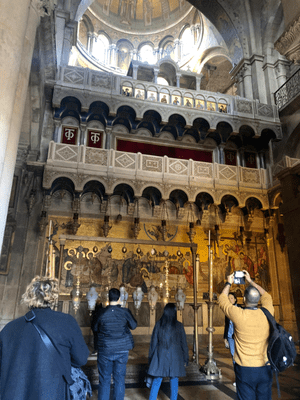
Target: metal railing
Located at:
point(288, 91)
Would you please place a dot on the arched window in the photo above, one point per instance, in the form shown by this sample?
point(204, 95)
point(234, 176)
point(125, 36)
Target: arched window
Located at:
point(187, 41)
point(147, 54)
point(162, 81)
point(100, 48)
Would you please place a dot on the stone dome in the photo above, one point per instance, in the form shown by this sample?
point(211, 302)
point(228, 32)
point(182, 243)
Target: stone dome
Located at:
point(141, 16)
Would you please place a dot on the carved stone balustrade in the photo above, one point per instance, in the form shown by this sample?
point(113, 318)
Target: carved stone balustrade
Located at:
point(89, 86)
point(82, 164)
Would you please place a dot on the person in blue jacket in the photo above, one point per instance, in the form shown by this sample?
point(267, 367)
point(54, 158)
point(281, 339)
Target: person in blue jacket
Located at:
point(114, 340)
point(168, 353)
point(28, 370)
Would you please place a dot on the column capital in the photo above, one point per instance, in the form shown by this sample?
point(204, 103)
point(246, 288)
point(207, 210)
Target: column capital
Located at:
point(44, 7)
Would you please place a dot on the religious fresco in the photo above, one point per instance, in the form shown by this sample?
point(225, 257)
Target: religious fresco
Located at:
point(101, 268)
point(109, 264)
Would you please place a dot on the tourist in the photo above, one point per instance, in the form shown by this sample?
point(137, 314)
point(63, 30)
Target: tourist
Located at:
point(168, 353)
point(114, 342)
point(28, 369)
point(252, 371)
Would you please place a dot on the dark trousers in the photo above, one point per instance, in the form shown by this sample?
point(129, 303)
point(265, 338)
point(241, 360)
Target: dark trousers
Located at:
point(253, 383)
point(112, 364)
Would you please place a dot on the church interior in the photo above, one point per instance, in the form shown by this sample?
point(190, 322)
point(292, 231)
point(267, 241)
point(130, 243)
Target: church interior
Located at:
point(153, 146)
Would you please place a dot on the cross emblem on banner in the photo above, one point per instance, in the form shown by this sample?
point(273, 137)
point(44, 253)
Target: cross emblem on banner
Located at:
point(69, 133)
point(230, 157)
point(95, 137)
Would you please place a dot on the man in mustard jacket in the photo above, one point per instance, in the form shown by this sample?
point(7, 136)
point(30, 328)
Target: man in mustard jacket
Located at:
point(251, 334)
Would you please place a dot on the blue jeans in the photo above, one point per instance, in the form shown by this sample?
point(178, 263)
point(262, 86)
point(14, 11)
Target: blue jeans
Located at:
point(112, 364)
point(253, 383)
point(156, 385)
point(231, 346)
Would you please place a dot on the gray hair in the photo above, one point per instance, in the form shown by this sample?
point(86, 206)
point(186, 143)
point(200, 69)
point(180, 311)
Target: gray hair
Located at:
point(42, 292)
point(252, 296)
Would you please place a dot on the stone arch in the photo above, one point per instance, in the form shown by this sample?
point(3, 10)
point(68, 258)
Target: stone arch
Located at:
point(167, 70)
point(227, 202)
point(124, 59)
point(69, 106)
point(219, 17)
point(252, 203)
point(178, 197)
point(224, 129)
point(62, 183)
point(153, 195)
point(204, 199)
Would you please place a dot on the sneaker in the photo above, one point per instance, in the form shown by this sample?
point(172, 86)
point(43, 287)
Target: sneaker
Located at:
point(234, 384)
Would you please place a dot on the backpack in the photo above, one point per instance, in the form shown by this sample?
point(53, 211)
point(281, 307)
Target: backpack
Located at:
point(281, 348)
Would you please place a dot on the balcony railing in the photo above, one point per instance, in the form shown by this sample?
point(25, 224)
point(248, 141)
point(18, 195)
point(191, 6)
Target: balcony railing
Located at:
point(202, 102)
point(288, 91)
point(89, 163)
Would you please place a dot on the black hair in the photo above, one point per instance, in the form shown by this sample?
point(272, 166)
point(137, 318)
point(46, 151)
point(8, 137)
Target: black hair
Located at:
point(234, 295)
point(114, 294)
point(252, 296)
point(168, 324)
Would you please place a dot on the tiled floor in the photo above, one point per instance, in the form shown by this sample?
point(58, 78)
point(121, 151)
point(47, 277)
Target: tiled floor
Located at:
point(219, 389)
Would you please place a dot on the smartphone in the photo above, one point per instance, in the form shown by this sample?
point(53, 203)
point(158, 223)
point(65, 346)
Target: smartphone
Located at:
point(239, 278)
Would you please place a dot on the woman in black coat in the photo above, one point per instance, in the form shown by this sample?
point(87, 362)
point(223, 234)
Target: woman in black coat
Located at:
point(168, 353)
point(28, 371)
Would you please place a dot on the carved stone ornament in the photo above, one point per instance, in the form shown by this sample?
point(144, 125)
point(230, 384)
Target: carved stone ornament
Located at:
point(289, 42)
point(44, 7)
point(265, 110)
point(101, 81)
point(244, 106)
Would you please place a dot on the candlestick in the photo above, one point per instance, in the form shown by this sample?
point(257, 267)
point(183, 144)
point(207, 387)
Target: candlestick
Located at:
point(209, 237)
point(50, 227)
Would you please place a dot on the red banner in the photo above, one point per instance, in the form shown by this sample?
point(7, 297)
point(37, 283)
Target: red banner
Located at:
point(250, 160)
point(157, 150)
point(230, 157)
point(94, 139)
point(69, 135)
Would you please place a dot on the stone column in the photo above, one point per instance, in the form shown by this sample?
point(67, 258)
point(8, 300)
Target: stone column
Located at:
point(262, 160)
point(238, 158)
point(134, 71)
point(57, 124)
point(221, 154)
point(289, 181)
point(156, 51)
point(258, 166)
point(258, 78)
point(271, 161)
point(82, 139)
point(134, 54)
point(240, 83)
point(280, 72)
point(177, 49)
point(270, 79)
point(178, 80)
point(107, 144)
point(198, 82)
point(248, 92)
point(18, 22)
point(93, 39)
point(65, 36)
point(89, 36)
point(113, 52)
point(156, 71)
point(242, 158)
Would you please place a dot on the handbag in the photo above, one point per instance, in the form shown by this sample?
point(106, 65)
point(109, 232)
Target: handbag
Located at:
point(78, 383)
